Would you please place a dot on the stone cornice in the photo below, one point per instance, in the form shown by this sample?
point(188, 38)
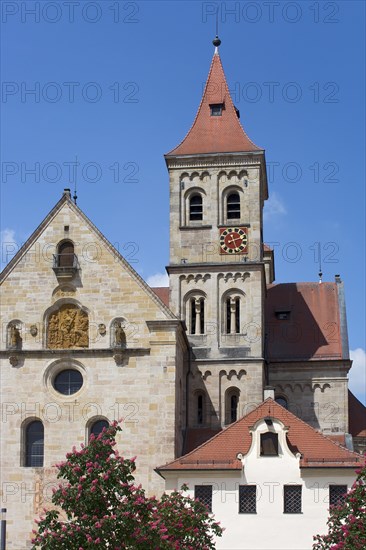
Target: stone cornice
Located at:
point(214, 267)
point(219, 160)
point(63, 353)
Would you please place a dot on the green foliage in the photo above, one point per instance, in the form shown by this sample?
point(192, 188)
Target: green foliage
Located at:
point(105, 509)
point(347, 521)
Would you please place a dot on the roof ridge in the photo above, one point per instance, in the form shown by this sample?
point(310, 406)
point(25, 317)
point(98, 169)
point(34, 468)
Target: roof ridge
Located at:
point(232, 103)
point(33, 236)
point(274, 412)
point(53, 212)
point(198, 110)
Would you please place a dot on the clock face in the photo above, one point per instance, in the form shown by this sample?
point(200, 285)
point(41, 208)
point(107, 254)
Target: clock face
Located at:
point(233, 240)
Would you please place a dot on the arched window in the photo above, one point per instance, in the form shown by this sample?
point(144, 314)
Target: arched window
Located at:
point(34, 444)
point(233, 206)
point(65, 254)
point(200, 408)
point(233, 315)
point(97, 427)
point(195, 207)
point(282, 401)
point(197, 315)
point(233, 408)
point(231, 405)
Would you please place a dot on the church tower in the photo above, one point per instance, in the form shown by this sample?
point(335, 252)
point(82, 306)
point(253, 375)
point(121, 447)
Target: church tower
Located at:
point(218, 269)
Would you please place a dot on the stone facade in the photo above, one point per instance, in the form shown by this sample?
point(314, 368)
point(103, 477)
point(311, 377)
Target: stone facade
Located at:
point(141, 380)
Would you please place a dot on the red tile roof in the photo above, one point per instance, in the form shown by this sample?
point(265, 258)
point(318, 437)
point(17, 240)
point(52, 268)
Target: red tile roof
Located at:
point(220, 452)
point(357, 416)
point(313, 328)
point(197, 436)
point(163, 293)
point(215, 134)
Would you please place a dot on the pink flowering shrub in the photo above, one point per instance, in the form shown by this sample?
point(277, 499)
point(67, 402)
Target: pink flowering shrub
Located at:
point(347, 521)
point(105, 509)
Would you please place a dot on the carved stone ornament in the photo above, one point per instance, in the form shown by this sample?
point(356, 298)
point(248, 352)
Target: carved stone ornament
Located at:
point(68, 328)
point(102, 329)
point(118, 357)
point(13, 360)
point(33, 330)
point(119, 335)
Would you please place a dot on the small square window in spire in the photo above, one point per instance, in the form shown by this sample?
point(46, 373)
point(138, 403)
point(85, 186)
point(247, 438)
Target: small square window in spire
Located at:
point(216, 109)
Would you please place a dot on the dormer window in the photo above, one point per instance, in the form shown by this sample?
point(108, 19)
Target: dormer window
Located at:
point(216, 109)
point(269, 444)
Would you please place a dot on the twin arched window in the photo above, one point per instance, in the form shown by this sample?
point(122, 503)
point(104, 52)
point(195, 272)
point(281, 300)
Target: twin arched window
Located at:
point(232, 207)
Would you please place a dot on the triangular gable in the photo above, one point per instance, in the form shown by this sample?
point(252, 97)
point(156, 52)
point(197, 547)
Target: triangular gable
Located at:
point(220, 452)
point(66, 199)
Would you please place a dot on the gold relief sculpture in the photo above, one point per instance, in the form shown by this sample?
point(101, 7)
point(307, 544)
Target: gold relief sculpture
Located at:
point(68, 327)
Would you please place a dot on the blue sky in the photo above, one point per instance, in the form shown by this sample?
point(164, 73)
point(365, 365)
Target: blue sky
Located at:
point(117, 84)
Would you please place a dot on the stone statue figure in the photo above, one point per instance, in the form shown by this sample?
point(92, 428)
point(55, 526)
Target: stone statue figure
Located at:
point(119, 335)
point(68, 327)
point(15, 339)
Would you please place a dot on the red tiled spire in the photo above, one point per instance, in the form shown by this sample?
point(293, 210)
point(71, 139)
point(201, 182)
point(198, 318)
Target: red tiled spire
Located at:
point(215, 134)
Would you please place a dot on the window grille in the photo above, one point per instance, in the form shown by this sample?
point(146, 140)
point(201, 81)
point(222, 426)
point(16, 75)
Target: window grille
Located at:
point(247, 499)
point(204, 494)
point(34, 444)
point(292, 499)
point(337, 494)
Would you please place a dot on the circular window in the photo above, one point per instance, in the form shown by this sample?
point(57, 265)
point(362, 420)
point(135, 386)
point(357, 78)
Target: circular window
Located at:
point(68, 381)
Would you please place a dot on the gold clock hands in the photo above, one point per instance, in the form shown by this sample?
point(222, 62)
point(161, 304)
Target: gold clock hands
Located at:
point(235, 239)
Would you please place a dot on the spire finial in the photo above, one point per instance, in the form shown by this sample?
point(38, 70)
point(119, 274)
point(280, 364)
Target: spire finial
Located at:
point(320, 265)
point(216, 41)
point(75, 195)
